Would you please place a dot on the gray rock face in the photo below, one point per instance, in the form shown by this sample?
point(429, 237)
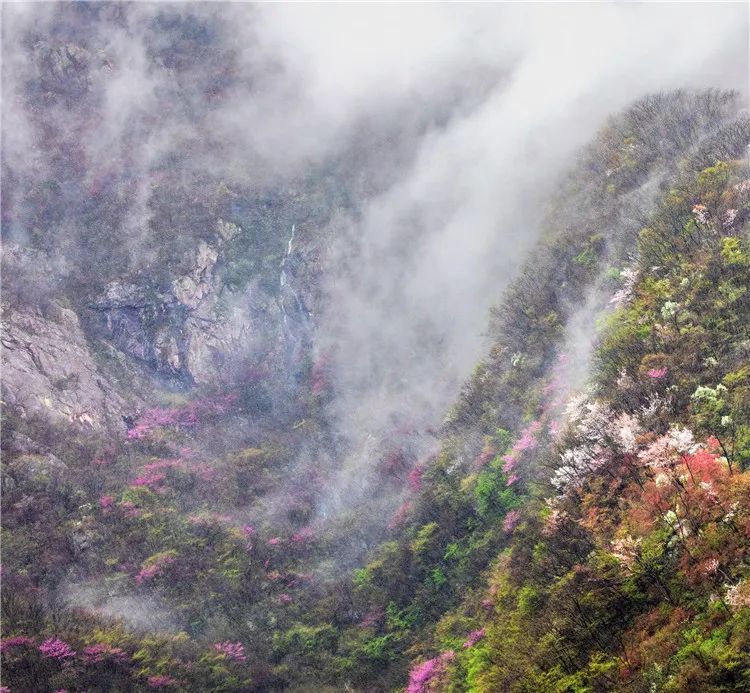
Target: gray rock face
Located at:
point(63, 69)
point(193, 330)
point(49, 370)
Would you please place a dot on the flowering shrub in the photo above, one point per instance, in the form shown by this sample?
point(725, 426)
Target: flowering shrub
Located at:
point(400, 516)
point(511, 520)
point(186, 416)
point(303, 536)
point(474, 637)
point(528, 440)
point(421, 675)
point(106, 502)
point(102, 652)
point(155, 566)
point(15, 641)
point(54, 648)
point(231, 650)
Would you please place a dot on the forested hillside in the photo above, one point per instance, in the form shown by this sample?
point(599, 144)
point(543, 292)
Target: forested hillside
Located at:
point(583, 526)
point(222, 467)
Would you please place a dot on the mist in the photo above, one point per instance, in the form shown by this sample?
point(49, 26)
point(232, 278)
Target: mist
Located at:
point(442, 130)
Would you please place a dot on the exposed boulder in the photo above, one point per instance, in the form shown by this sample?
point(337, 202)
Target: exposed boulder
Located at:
point(192, 329)
point(49, 370)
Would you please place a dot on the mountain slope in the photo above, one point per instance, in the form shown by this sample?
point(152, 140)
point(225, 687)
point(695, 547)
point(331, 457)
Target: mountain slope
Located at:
point(170, 457)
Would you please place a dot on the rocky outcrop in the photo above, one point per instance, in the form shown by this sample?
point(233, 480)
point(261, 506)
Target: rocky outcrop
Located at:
point(49, 370)
point(193, 329)
point(63, 68)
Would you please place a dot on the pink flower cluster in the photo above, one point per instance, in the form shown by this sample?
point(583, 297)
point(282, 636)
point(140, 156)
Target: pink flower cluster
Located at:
point(102, 652)
point(129, 508)
point(400, 515)
point(106, 502)
point(164, 464)
point(15, 641)
point(511, 520)
point(527, 441)
point(231, 650)
point(185, 416)
point(474, 637)
point(54, 648)
point(151, 480)
point(421, 675)
point(484, 457)
point(303, 536)
point(415, 478)
point(154, 568)
point(657, 373)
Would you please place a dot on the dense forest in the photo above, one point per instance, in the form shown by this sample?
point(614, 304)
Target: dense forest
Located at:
point(184, 505)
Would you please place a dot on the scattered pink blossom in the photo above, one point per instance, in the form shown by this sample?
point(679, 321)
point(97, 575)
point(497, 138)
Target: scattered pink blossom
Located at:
point(474, 637)
point(54, 648)
point(527, 441)
point(106, 501)
point(275, 541)
point(164, 464)
point(415, 478)
point(303, 536)
point(509, 463)
point(657, 373)
point(154, 566)
point(152, 480)
point(103, 651)
point(511, 520)
point(185, 416)
point(421, 675)
point(231, 650)
point(488, 604)
point(399, 517)
point(484, 457)
point(130, 509)
point(512, 479)
point(15, 641)
point(285, 598)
